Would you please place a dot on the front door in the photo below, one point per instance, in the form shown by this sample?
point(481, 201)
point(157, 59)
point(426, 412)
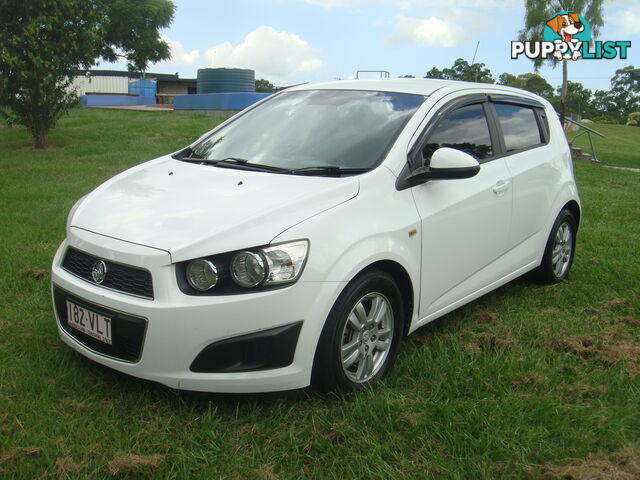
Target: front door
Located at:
point(465, 222)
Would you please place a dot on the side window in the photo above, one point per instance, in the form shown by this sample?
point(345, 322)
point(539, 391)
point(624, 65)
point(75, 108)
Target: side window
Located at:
point(519, 126)
point(464, 129)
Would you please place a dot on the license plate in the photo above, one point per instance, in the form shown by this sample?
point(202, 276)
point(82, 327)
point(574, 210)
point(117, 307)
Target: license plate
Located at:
point(88, 322)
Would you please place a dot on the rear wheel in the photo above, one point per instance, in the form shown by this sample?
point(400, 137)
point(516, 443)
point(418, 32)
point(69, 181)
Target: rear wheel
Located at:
point(360, 338)
point(559, 251)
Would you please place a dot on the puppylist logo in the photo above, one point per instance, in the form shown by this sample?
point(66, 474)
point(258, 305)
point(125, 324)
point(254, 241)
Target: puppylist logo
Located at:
point(567, 36)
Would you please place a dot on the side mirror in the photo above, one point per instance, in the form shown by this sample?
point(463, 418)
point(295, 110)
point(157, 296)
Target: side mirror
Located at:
point(449, 163)
point(446, 163)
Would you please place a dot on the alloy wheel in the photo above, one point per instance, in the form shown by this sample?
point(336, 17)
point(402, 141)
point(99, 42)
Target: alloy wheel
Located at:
point(366, 337)
point(562, 249)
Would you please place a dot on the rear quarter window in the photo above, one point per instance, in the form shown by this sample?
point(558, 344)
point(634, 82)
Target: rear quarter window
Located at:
point(520, 126)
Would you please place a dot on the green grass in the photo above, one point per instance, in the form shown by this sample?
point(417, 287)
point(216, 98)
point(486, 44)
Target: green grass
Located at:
point(620, 147)
point(523, 378)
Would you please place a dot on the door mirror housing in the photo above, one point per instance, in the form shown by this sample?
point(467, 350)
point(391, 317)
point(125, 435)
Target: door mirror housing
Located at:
point(446, 163)
point(449, 163)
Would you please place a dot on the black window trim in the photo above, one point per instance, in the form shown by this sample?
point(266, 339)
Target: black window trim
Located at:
point(514, 99)
point(487, 100)
point(543, 124)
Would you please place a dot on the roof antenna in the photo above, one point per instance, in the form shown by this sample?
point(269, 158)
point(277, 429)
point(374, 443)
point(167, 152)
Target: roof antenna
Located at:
point(474, 60)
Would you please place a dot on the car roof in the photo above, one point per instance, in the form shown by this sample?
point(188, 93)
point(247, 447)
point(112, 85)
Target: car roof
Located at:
point(418, 86)
point(401, 85)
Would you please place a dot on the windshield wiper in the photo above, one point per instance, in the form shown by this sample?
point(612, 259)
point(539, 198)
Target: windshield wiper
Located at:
point(327, 170)
point(239, 163)
point(188, 155)
point(243, 164)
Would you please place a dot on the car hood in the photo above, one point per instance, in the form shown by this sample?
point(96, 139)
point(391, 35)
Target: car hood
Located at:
point(192, 210)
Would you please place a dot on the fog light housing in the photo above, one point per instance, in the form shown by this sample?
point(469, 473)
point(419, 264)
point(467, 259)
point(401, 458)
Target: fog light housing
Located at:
point(264, 350)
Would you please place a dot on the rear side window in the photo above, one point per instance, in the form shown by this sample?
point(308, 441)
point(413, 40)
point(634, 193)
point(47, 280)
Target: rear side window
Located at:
point(519, 126)
point(464, 129)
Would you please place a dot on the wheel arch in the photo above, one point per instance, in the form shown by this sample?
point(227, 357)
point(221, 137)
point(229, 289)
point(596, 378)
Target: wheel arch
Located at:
point(400, 276)
point(574, 208)
point(405, 285)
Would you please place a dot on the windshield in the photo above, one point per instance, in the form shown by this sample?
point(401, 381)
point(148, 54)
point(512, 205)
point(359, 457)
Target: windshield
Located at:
point(314, 128)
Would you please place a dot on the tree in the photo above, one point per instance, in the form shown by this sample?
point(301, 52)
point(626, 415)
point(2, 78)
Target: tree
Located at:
point(622, 99)
point(538, 13)
point(509, 80)
point(577, 99)
point(461, 70)
point(263, 85)
point(44, 43)
point(435, 73)
point(531, 82)
point(537, 84)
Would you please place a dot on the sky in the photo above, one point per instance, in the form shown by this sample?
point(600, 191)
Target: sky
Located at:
point(294, 41)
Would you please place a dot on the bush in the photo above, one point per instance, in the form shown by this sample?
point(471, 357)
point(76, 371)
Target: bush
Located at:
point(634, 119)
point(607, 119)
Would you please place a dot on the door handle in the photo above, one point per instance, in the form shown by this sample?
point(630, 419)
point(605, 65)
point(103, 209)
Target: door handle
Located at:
point(501, 186)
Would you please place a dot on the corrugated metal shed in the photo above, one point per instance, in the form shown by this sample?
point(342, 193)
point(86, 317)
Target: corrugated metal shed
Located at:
point(84, 85)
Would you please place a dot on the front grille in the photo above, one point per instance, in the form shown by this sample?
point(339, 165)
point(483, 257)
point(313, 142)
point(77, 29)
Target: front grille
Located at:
point(127, 332)
point(125, 279)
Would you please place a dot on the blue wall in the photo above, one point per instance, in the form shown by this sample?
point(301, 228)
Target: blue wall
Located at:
point(115, 100)
point(218, 101)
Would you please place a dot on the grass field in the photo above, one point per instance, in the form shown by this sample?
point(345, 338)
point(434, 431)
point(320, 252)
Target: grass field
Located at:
point(619, 147)
point(527, 382)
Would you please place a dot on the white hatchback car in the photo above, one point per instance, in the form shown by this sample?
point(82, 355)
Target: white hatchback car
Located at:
point(299, 241)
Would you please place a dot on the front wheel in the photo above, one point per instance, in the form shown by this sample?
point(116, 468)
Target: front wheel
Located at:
point(360, 338)
point(559, 251)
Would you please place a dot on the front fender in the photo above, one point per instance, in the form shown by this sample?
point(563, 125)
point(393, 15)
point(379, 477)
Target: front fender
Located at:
point(381, 223)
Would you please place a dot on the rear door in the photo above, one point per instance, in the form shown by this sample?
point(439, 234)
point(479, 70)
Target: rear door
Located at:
point(524, 136)
point(465, 222)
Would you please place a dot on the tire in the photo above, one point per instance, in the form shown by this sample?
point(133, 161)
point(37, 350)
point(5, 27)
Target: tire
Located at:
point(559, 251)
point(360, 338)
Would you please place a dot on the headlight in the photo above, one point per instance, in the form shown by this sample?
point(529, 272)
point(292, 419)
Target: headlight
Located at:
point(202, 274)
point(247, 269)
point(285, 261)
point(231, 272)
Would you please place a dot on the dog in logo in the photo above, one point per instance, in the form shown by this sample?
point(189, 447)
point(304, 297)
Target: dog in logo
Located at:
point(566, 26)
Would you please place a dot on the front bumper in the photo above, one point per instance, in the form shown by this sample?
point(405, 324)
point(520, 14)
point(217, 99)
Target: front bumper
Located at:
point(179, 327)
